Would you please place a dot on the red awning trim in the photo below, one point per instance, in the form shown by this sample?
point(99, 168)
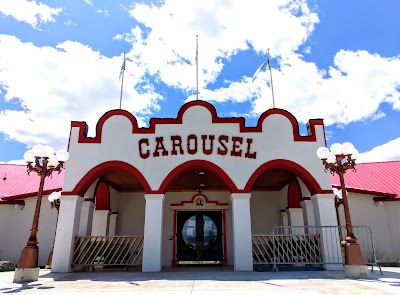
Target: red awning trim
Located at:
point(367, 192)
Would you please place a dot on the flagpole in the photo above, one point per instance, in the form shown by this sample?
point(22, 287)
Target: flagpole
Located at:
point(272, 84)
point(122, 81)
point(197, 67)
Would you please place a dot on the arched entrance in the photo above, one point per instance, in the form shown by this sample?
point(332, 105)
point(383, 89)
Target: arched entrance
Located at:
point(196, 212)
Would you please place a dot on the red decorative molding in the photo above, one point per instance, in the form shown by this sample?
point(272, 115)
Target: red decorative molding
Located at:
point(102, 196)
point(292, 167)
point(294, 194)
point(97, 171)
point(176, 121)
point(174, 241)
point(182, 203)
point(198, 164)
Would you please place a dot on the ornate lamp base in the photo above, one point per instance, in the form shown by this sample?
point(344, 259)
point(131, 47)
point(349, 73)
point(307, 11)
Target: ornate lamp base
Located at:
point(356, 271)
point(22, 275)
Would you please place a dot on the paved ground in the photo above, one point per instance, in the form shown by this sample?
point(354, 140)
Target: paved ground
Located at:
point(205, 282)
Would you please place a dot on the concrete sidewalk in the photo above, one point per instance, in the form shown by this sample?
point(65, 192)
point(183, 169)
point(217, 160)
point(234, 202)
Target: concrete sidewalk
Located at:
point(205, 282)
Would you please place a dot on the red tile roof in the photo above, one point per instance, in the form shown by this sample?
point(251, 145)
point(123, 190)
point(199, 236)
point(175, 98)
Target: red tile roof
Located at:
point(377, 178)
point(15, 183)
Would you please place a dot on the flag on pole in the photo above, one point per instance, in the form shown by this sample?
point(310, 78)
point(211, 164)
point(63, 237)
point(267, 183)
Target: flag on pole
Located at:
point(122, 67)
point(197, 67)
point(263, 67)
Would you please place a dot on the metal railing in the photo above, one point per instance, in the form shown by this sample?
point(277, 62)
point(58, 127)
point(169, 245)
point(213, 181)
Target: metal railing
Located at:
point(91, 251)
point(309, 245)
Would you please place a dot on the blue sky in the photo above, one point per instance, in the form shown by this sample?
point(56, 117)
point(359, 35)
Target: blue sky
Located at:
point(336, 60)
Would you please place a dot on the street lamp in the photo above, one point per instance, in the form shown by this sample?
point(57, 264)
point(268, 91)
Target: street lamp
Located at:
point(43, 161)
point(54, 199)
point(339, 159)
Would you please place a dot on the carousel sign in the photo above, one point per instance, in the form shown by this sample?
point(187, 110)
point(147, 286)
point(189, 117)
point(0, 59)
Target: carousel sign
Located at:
point(223, 145)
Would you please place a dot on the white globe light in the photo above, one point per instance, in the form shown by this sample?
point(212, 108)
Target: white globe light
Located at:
point(335, 191)
point(54, 196)
point(331, 159)
point(355, 155)
point(38, 151)
point(323, 153)
point(29, 157)
point(53, 161)
point(347, 148)
point(49, 151)
point(62, 156)
point(336, 149)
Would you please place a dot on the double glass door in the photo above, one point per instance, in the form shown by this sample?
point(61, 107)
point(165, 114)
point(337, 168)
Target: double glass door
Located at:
point(199, 237)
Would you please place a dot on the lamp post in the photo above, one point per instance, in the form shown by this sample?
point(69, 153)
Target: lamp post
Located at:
point(339, 159)
point(54, 199)
point(43, 161)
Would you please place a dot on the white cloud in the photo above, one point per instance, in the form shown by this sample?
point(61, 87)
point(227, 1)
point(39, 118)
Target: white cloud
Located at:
point(386, 152)
point(31, 12)
point(102, 11)
point(224, 28)
point(55, 86)
point(15, 162)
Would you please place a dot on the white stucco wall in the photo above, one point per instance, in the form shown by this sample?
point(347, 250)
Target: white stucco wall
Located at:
point(131, 214)
point(15, 226)
point(383, 220)
point(392, 212)
point(277, 135)
point(265, 211)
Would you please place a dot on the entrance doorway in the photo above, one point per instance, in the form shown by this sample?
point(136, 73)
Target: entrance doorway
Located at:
point(199, 237)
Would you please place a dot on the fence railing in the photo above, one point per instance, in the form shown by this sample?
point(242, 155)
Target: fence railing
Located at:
point(108, 251)
point(309, 245)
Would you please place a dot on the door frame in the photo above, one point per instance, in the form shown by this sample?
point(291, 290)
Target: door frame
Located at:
point(223, 229)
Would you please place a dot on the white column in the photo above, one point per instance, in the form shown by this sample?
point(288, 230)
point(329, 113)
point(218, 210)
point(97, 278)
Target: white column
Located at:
point(100, 222)
point(308, 212)
point(295, 216)
point(113, 224)
point(325, 215)
point(153, 226)
point(67, 229)
point(85, 226)
point(285, 220)
point(241, 223)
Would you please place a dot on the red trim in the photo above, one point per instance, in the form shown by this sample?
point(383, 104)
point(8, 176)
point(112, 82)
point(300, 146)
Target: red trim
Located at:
point(97, 171)
point(174, 242)
point(182, 203)
point(292, 167)
point(198, 164)
point(215, 119)
point(102, 196)
point(12, 202)
point(367, 192)
point(224, 233)
point(294, 194)
point(386, 199)
point(29, 195)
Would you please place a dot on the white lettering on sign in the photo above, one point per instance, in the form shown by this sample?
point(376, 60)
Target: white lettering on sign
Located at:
point(233, 146)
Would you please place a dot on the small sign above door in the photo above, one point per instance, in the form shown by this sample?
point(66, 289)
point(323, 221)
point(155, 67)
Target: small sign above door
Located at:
point(200, 202)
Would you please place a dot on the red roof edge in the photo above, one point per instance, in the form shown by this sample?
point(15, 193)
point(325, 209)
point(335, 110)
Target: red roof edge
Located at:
point(385, 199)
point(364, 191)
point(28, 195)
point(14, 202)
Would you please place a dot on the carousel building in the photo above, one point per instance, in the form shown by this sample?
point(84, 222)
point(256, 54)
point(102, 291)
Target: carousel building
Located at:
point(197, 189)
